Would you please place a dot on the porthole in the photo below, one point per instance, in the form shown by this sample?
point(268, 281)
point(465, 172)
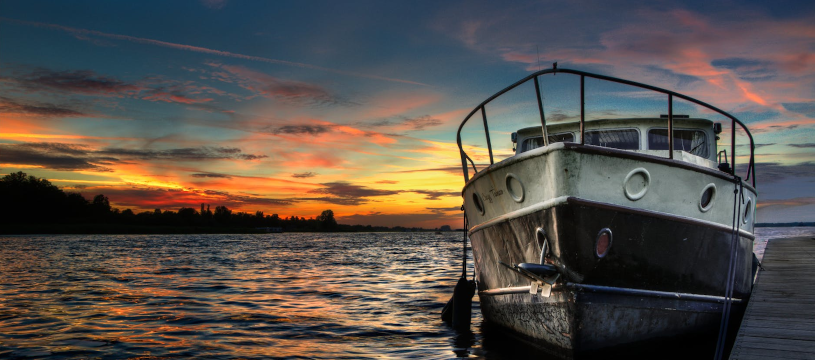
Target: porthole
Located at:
point(603, 243)
point(515, 187)
point(748, 210)
point(636, 184)
point(479, 205)
point(707, 197)
point(540, 235)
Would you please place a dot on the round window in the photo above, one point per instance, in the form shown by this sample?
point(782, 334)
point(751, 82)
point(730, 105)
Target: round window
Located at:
point(707, 197)
point(479, 205)
point(748, 210)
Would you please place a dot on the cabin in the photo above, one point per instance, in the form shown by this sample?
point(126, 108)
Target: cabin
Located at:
point(694, 138)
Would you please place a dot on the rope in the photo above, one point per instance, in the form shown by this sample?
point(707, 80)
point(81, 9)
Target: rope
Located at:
point(464, 247)
point(731, 271)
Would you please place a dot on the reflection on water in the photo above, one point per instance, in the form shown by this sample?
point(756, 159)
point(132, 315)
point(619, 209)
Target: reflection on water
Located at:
point(240, 296)
point(275, 295)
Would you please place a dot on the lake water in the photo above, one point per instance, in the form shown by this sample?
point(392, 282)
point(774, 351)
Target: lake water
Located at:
point(325, 296)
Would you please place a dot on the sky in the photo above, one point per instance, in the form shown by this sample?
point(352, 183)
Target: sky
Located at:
point(295, 107)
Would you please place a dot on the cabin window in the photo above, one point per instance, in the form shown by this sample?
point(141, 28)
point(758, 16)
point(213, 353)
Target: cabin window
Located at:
point(692, 141)
point(626, 139)
point(536, 142)
point(564, 137)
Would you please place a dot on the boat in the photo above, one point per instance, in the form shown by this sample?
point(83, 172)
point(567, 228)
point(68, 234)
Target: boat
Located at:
point(596, 229)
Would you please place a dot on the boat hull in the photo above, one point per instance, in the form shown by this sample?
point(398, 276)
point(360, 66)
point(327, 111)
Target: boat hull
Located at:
point(622, 298)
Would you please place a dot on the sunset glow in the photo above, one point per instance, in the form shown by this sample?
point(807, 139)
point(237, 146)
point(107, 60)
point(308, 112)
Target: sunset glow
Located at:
point(294, 108)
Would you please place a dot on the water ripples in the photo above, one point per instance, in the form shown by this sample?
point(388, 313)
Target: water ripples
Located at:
point(230, 296)
point(316, 296)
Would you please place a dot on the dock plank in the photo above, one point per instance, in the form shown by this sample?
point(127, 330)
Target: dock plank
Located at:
point(780, 319)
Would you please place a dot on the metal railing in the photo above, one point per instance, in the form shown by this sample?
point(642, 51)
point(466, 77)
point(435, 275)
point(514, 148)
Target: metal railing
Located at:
point(583, 75)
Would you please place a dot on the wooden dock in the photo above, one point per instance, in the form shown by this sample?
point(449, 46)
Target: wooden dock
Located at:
point(780, 319)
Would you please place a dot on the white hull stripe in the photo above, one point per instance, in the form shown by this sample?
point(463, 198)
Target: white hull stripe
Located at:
point(614, 290)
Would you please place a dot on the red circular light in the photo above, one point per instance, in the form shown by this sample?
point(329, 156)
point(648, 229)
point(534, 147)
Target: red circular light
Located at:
point(603, 243)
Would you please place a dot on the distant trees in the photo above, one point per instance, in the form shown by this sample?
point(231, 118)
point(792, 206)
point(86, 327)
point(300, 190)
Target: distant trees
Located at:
point(28, 198)
point(100, 207)
point(327, 221)
point(31, 200)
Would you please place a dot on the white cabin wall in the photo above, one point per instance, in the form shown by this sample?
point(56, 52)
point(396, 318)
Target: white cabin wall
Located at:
point(550, 174)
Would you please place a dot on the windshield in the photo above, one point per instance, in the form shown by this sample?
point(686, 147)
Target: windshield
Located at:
point(692, 141)
point(536, 142)
point(626, 139)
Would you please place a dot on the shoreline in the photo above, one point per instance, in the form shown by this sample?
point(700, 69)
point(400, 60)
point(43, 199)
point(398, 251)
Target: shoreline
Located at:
point(119, 229)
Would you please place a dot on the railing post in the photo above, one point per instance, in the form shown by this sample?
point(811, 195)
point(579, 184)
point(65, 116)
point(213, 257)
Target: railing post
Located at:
point(464, 165)
point(582, 111)
point(752, 166)
point(487, 132)
point(670, 126)
point(540, 110)
point(733, 146)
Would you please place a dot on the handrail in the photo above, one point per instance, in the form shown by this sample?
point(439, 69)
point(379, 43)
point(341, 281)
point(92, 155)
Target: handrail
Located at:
point(583, 75)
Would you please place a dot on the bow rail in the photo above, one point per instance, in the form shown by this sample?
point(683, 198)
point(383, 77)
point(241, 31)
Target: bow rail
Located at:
point(730, 169)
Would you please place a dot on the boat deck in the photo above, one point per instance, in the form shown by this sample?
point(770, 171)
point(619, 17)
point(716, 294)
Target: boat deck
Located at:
point(780, 319)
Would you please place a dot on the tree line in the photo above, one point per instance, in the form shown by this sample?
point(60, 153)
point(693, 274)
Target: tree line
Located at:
point(28, 200)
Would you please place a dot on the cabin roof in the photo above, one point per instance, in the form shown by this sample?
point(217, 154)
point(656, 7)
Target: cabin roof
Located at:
point(553, 128)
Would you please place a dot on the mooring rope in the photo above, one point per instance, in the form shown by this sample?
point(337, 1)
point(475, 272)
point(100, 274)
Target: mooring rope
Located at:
point(464, 247)
point(738, 192)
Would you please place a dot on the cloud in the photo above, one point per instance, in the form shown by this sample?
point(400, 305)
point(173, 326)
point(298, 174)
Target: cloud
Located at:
point(705, 51)
point(172, 96)
point(203, 50)
point(79, 82)
point(169, 199)
point(435, 195)
point(304, 175)
point(756, 145)
point(87, 82)
point(44, 110)
point(345, 193)
point(276, 88)
point(681, 80)
point(387, 182)
point(72, 157)
point(416, 123)
point(804, 145)
point(767, 173)
point(556, 117)
point(445, 210)
point(189, 154)
point(455, 170)
point(57, 156)
point(310, 129)
point(747, 69)
point(343, 188)
point(211, 175)
point(805, 108)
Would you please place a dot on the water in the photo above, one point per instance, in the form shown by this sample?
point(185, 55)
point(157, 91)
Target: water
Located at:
point(370, 295)
point(764, 234)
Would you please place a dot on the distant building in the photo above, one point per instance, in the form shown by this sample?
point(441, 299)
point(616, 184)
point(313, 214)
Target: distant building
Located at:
point(445, 228)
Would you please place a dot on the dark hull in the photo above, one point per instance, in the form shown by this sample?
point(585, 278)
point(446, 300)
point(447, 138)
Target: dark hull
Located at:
point(651, 252)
